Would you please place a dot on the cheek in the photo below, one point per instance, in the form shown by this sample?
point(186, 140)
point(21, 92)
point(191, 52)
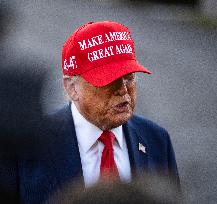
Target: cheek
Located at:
point(132, 94)
point(101, 104)
point(86, 101)
point(94, 104)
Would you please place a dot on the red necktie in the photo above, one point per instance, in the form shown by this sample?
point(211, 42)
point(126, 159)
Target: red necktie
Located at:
point(108, 168)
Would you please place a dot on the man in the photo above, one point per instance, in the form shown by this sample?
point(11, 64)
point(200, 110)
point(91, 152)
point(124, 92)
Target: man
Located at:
point(96, 137)
point(99, 65)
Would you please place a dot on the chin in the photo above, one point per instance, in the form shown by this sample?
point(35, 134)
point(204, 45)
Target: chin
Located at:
point(119, 120)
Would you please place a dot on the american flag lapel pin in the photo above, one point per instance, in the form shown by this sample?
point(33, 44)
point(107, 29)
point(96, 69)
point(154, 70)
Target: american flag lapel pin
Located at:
point(142, 148)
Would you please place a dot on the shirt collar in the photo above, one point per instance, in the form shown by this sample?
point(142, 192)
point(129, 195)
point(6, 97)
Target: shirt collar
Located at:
point(118, 132)
point(87, 133)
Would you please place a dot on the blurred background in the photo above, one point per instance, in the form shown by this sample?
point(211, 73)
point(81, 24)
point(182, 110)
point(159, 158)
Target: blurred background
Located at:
point(175, 39)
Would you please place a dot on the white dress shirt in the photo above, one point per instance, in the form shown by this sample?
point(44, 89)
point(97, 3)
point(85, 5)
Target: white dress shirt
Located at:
point(91, 149)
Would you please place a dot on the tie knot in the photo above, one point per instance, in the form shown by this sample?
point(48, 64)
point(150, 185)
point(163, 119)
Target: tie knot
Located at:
point(107, 138)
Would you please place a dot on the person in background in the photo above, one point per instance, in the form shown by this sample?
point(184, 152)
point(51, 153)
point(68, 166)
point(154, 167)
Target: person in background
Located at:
point(147, 189)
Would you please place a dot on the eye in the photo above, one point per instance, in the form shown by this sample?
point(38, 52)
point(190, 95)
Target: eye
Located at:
point(129, 77)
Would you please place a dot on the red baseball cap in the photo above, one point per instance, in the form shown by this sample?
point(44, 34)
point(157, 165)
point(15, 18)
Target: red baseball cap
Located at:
point(100, 52)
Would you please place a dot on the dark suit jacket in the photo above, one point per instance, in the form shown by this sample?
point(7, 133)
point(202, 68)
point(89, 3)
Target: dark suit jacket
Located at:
point(34, 177)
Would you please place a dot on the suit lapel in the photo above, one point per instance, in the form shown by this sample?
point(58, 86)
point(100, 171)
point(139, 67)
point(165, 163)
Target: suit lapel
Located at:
point(137, 149)
point(65, 152)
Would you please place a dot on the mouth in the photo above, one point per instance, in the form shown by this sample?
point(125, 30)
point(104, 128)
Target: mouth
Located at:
point(122, 107)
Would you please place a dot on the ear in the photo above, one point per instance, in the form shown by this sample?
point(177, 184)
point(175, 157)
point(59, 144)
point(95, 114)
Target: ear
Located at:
point(70, 88)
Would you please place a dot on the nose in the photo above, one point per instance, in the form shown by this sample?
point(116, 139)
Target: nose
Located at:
point(121, 87)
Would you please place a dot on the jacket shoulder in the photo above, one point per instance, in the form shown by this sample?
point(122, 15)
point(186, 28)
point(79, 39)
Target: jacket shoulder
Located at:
point(141, 123)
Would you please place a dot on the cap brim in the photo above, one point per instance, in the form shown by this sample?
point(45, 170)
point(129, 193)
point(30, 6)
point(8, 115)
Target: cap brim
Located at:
point(104, 75)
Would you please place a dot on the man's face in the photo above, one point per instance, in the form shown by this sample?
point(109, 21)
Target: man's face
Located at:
point(109, 106)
